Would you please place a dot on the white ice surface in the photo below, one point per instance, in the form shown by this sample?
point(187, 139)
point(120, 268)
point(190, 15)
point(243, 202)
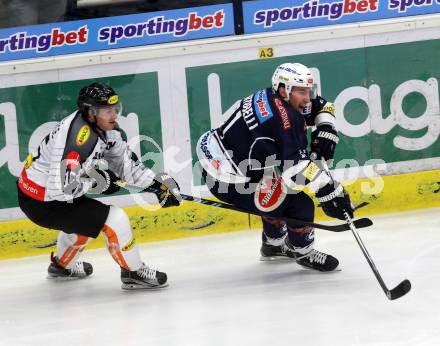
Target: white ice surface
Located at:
point(221, 294)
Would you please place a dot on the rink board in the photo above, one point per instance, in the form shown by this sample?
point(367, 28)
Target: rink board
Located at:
point(400, 193)
point(387, 105)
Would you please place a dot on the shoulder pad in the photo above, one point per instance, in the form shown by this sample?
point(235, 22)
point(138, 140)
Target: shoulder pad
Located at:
point(80, 141)
point(262, 106)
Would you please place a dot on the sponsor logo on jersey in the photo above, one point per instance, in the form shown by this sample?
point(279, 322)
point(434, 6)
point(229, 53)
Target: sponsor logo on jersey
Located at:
point(29, 188)
point(113, 100)
point(83, 135)
point(270, 193)
point(204, 146)
point(307, 109)
point(110, 145)
point(29, 160)
point(262, 107)
point(282, 113)
point(72, 160)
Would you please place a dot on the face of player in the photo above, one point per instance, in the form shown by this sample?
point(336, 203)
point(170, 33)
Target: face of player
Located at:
point(299, 97)
point(106, 117)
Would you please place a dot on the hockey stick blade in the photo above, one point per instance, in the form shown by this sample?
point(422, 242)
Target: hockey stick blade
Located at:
point(361, 223)
point(400, 290)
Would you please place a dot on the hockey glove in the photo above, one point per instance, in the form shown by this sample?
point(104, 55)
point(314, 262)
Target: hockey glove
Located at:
point(334, 200)
point(106, 185)
point(324, 140)
point(168, 193)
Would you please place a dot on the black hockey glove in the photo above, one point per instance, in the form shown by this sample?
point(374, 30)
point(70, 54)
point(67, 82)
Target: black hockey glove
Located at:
point(324, 140)
point(106, 185)
point(168, 190)
point(334, 200)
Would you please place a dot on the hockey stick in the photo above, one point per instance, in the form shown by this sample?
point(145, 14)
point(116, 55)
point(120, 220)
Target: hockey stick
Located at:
point(361, 223)
point(401, 289)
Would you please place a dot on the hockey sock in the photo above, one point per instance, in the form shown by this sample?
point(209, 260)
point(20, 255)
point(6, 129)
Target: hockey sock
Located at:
point(300, 240)
point(274, 230)
point(119, 239)
point(69, 248)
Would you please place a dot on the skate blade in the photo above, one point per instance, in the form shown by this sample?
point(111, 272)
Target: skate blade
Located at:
point(134, 286)
point(275, 258)
point(337, 269)
point(66, 278)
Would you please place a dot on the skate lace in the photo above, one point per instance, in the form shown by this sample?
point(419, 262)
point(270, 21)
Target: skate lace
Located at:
point(317, 257)
point(78, 268)
point(147, 273)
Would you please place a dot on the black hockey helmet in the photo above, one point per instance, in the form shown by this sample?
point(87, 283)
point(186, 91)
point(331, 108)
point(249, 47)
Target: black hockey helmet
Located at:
point(95, 96)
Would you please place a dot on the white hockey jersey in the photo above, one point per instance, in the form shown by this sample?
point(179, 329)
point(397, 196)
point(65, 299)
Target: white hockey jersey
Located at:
point(58, 169)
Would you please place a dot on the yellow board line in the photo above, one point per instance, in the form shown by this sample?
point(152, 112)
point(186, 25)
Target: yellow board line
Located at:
point(400, 192)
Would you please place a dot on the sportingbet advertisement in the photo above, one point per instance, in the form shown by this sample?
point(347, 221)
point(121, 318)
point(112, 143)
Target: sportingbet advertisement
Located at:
point(267, 15)
point(116, 32)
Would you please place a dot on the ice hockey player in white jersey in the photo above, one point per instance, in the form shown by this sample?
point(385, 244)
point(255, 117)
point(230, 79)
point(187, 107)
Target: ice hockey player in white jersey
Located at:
point(86, 153)
point(258, 159)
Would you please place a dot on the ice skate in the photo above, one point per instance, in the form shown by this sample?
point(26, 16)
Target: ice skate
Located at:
point(143, 278)
point(79, 270)
point(275, 250)
point(318, 260)
point(279, 249)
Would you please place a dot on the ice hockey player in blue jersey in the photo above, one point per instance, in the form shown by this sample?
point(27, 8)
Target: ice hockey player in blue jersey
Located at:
point(67, 165)
point(258, 159)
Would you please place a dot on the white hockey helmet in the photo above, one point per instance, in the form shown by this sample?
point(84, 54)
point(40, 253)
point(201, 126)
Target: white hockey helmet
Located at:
point(291, 75)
